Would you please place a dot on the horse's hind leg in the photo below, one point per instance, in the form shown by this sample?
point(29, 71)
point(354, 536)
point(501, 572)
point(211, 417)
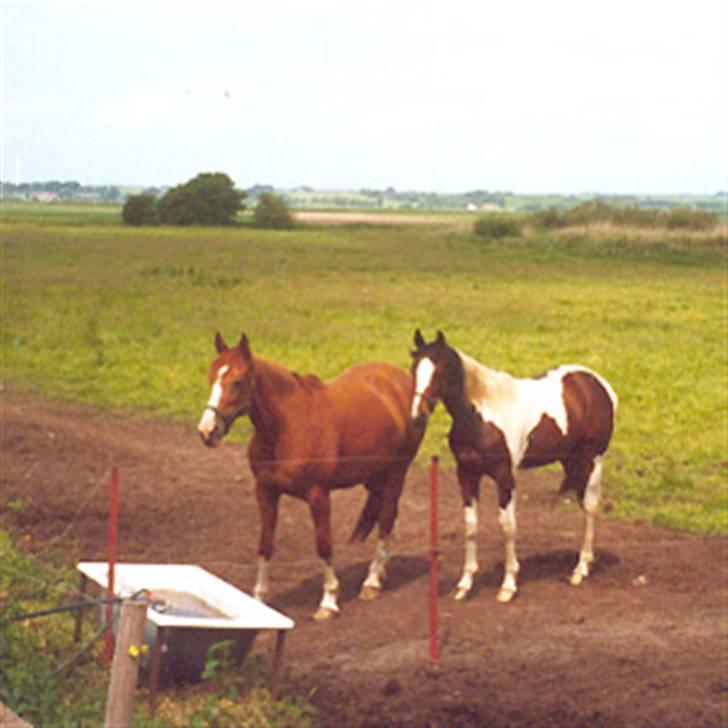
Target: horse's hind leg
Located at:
point(585, 476)
point(387, 492)
point(374, 583)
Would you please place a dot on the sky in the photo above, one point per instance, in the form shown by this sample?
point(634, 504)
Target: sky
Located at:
point(564, 96)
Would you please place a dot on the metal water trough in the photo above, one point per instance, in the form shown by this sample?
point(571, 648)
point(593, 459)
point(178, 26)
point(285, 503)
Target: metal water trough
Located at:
point(190, 610)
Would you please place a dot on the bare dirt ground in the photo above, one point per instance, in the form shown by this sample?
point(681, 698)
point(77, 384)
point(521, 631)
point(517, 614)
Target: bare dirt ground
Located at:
point(642, 643)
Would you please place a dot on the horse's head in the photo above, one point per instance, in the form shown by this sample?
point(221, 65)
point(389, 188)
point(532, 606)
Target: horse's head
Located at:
point(432, 366)
point(232, 377)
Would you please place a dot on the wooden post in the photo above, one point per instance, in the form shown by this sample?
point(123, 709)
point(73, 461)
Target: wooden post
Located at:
point(275, 680)
point(83, 585)
point(125, 666)
point(156, 667)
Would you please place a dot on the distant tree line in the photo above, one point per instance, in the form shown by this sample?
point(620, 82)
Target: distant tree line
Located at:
point(64, 191)
point(371, 198)
point(433, 200)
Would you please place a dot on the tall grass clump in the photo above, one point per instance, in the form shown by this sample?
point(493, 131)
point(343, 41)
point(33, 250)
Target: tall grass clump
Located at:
point(39, 677)
point(594, 212)
point(233, 695)
point(496, 226)
point(272, 213)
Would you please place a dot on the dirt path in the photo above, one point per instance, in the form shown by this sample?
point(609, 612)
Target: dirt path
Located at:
point(325, 217)
point(642, 643)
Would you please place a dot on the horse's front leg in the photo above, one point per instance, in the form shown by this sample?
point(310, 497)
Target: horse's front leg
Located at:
point(268, 497)
point(507, 519)
point(469, 489)
point(319, 505)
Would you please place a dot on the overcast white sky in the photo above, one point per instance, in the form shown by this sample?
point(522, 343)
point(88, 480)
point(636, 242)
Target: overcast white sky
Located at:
point(564, 96)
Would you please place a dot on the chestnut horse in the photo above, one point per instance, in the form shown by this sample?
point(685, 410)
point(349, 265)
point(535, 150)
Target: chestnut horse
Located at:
point(500, 423)
point(312, 437)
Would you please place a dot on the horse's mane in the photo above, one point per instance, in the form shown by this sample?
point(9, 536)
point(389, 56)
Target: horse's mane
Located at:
point(483, 384)
point(286, 377)
point(308, 381)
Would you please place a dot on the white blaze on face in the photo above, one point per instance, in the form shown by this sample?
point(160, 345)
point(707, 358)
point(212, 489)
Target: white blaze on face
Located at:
point(423, 379)
point(207, 422)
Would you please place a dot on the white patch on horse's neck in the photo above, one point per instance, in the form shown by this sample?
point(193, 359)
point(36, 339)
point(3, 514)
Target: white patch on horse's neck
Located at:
point(423, 379)
point(482, 384)
point(515, 406)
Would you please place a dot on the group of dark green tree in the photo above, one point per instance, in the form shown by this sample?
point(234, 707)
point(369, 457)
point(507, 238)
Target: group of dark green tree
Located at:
point(207, 199)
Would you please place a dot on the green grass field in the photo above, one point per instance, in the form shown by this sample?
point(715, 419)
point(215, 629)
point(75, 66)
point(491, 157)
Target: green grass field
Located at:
point(112, 316)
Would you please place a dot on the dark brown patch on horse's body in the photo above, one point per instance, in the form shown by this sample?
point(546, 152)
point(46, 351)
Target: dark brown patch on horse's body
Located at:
point(590, 411)
point(546, 444)
point(478, 445)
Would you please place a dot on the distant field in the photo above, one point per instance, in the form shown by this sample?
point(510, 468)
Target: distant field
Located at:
point(118, 317)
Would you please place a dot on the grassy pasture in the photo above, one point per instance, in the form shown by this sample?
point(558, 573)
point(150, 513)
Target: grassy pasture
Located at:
point(117, 317)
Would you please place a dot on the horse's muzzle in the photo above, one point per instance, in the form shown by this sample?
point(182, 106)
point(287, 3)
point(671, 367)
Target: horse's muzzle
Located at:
point(420, 419)
point(211, 439)
point(209, 427)
point(422, 406)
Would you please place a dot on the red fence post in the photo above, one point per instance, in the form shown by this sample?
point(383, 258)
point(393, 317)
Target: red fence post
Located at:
point(434, 561)
point(113, 526)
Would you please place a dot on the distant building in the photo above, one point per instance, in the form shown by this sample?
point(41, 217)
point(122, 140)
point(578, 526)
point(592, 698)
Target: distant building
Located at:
point(45, 196)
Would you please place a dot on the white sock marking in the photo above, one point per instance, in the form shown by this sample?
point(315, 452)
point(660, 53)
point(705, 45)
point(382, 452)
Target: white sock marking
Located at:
point(470, 515)
point(378, 567)
point(262, 583)
point(331, 589)
point(507, 520)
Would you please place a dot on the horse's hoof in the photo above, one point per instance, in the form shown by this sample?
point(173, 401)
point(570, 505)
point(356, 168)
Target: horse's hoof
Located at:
point(325, 613)
point(505, 595)
point(369, 593)
point(460, 594)
point(576, 578)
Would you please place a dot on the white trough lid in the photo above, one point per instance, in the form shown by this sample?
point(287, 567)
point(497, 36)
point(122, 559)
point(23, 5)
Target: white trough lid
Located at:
point(243, 611)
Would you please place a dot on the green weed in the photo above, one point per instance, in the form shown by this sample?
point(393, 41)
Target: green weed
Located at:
point(47, 681)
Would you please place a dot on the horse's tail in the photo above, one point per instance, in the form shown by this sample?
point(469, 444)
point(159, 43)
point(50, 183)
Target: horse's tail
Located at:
point(367, 518)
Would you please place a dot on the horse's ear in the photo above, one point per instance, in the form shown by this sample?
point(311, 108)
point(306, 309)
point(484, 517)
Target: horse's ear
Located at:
point(440, 340)
point(419, 339)
point(220, 344)
point(244, 347)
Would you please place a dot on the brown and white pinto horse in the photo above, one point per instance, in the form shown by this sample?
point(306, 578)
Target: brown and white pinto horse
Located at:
point(500, 423)
point(312, 437)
